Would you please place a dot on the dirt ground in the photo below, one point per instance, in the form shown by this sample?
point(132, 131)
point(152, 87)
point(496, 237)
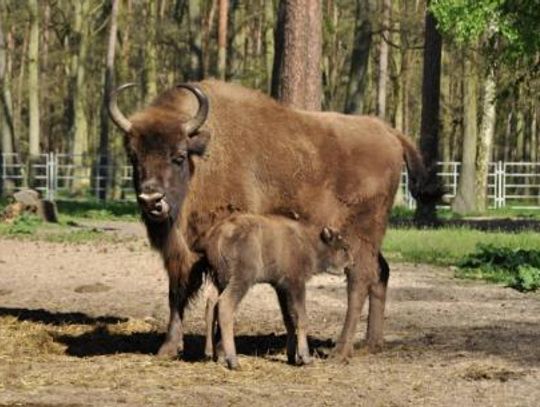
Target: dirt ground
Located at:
point(79, 325)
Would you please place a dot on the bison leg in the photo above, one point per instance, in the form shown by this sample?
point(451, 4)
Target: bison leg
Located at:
point(283, 299)
point(180, 292)
point(298, 297)
point(174, 338)
point(227, 303)
point(377, 300)
point(359, 279)
point(210, 317)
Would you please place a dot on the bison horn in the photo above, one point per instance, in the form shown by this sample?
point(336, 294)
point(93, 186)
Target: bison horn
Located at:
point(194, 124)
point(116, 115)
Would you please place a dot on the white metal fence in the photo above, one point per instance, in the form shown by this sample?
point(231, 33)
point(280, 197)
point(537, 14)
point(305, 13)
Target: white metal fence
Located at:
point(64, 176)
point(510, 184)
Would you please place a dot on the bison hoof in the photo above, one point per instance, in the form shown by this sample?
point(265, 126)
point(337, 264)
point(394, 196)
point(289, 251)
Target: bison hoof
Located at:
point(232, 363)
point(304, 360)
point(375, 347)
point(342, 353)
point(169, 351)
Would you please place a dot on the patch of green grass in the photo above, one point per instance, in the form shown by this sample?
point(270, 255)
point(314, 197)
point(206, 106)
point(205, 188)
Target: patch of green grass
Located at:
point(509, 258)
point(449, 246)
point(517, 268)
point(26, 224)
point(69, 210)
point(401, 213)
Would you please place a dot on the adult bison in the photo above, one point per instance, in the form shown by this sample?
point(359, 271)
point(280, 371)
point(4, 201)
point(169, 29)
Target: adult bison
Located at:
point(201, 151)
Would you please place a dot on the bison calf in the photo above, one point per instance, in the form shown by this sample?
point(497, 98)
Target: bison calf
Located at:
point(247, 249)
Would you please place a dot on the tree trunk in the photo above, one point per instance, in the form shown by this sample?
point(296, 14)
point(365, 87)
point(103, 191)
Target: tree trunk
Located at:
point(6, 108)
point(108, 84)
point(382, 71)
point(297, 72)
point(222, 38)
point(33, 80)
point(485, 140)
point(78, 89)
point(195, 36)
point(313, 46)
point(269, 41)
point(429, 132)
point(150, 52)
point(359, 60)
point(464, 201)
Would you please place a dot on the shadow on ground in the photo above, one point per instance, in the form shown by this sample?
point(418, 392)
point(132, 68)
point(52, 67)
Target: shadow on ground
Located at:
point(102, 342)
point(57, 318)
point(513, 341)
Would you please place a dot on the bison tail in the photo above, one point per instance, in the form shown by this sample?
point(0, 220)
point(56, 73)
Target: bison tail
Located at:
point(421, 189)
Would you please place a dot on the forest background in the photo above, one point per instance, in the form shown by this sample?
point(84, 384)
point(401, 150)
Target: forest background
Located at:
point(461, 77)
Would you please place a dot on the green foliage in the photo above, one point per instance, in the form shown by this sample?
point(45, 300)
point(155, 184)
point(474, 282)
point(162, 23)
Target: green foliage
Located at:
point(518, 268)
point(24, 225)
point(447, 247)
point(507, 28)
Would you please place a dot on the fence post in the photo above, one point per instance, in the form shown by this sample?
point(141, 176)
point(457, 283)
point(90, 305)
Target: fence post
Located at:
point(502, 184)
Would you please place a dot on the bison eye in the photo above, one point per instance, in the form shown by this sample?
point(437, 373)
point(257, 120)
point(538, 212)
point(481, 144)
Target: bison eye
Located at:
point(179, 159)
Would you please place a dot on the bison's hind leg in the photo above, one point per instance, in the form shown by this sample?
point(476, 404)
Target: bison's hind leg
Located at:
point(360, 278)
point(377, 301)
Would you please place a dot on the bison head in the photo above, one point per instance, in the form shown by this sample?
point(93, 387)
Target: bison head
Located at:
point(160, 141)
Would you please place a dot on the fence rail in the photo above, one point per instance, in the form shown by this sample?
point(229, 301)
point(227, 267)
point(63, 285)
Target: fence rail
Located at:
point(65, 176)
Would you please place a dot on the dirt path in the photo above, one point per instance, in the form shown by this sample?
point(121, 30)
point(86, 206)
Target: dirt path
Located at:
point(79, 325)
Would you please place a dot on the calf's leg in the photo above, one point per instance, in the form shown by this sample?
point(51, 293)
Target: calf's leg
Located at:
point(227, 303)
point(298, 299)
point(283, 299)
point(210, 318)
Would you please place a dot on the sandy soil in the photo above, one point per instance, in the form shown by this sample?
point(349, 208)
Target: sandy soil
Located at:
point(79, 325)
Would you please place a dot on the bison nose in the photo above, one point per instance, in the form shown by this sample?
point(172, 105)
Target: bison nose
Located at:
point(151, 200)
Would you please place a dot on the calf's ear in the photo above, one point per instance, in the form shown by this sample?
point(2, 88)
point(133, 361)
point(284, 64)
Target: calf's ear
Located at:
point(197, 143)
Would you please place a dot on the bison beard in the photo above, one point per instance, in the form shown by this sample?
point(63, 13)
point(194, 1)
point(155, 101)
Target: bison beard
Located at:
point(254, 155)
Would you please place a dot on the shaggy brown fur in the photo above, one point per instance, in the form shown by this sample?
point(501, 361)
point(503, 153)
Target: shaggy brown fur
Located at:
point(261, 157)
point(247, 249)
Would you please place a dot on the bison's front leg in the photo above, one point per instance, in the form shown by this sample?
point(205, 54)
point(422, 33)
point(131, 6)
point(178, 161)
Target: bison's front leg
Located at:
point(359, 279)
point(182, 286)
point(174, 341)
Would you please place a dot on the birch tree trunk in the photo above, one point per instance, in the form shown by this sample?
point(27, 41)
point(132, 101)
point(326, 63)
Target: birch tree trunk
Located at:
point(222, 38)
point(313, 46)
point(269, 41)
point(195, 32)
point(78, 90)
point(6, 108)
point(33, 80)
point(485, 140)
point(464, 201)
point(107, 87)
point(382, 71)
point(150, 52)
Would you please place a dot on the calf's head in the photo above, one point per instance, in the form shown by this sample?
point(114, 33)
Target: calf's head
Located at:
point(334, 254)
point(160, 142)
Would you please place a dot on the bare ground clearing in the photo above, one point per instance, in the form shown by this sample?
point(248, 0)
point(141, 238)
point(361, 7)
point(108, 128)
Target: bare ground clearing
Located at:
point(79, 325)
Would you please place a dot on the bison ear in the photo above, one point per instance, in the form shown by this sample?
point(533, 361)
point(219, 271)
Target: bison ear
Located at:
point(197, 143)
